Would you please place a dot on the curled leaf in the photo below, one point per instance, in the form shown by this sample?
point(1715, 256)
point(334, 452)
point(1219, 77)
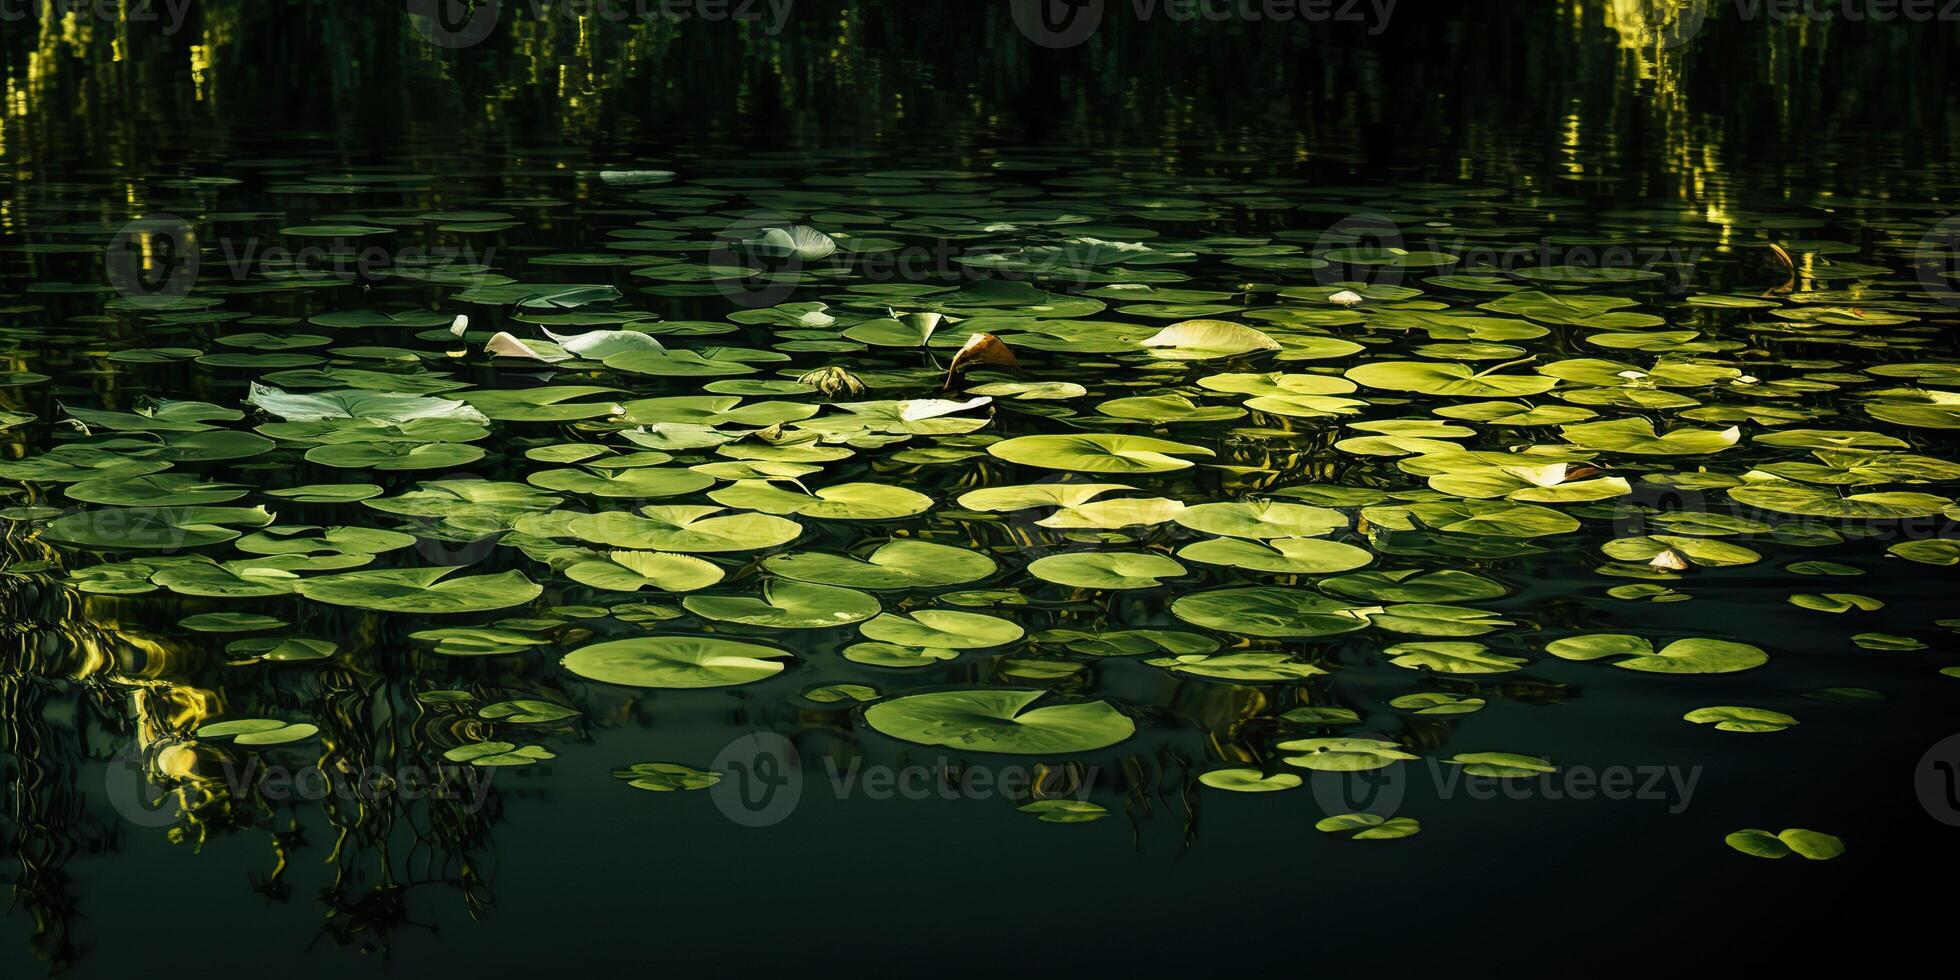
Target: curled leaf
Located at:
point(981, 348)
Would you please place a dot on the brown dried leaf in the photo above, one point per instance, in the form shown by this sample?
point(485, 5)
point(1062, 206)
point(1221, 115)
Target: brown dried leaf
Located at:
point(982, 348)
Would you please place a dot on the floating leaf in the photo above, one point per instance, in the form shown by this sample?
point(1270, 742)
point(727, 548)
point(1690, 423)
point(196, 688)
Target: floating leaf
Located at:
point(1106, 569)
point(421, 590)
point(259, 731)
point(631, 571)
point(674, 662)
point(1369, 826)
point(1097, 453)
point(1064, 811)
point(1502, 765)
point(788, 605)
point(1810, 844)
point(1253, 667)
point(1248, 780)
point(665, 777)
point(1343, 754)
point(1000, 720)
point(942, 629)
point(1691, 656)
point(1455, 380)
point(1206, 340)
point(1737, 719)
point(498, 754)
point(898, 564)
point(1270, 612)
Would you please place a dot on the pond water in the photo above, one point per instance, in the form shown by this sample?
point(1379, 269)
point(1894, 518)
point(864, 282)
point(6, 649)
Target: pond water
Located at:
point(873, 491)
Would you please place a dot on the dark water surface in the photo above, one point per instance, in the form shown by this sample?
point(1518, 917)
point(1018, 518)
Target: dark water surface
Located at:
point(303, 197)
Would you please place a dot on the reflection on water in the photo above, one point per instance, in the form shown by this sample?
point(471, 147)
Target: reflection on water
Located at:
point(1511, 138)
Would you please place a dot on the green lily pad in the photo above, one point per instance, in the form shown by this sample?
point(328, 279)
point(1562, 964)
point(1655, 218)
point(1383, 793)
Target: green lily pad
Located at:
point(1369, 826)
point(1741, 719)
point(1690, 656)
point(788, 605)
point(675, 662)
point(666, 777)
point(1065, 811)
point(1106, 569)
point(1502, 765)
point(1343, 754)
point(942, 629)
point(1270, 612)
point(1000, 720)
point(1249, 780)
point(421, 590)
point(632, 571)
point(259, 731)
point(898, 564)
point(1810, 844)
point(499, 754)
point(1097, 453)
point(1252, 667)
point(1288, 556)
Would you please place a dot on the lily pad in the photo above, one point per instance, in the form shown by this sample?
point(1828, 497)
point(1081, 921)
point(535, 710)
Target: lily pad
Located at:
point(1000, 720)
point(1690, 656)
point(675, 662)
point(1097, 453)
point(1810, 844)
